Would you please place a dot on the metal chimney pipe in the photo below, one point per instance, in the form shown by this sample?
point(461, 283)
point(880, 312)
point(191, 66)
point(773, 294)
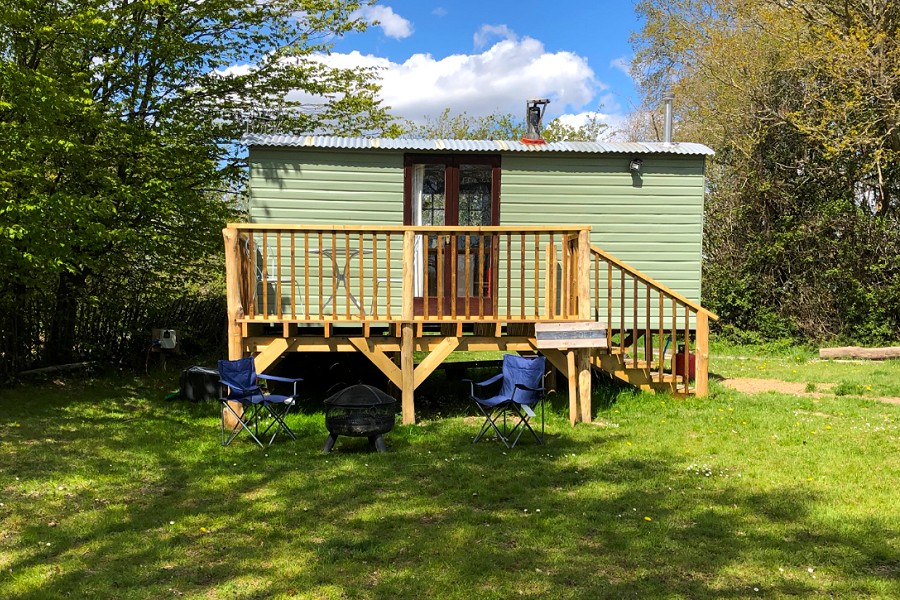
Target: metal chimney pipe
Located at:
point(668, 98)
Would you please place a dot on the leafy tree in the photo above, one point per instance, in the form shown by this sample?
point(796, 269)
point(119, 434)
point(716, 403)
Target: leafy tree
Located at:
point(589, 131)
point(800, 100)
point(462, 126)
point(120, 121)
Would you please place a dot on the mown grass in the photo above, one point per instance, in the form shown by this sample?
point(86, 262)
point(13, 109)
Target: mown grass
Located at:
point(107, 491)
point(789, 363)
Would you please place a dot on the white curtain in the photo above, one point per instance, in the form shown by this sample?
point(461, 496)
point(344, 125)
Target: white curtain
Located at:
point(418, 181)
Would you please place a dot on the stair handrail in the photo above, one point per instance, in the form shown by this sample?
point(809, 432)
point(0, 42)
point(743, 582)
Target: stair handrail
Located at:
point(660, 287)
point(692, 363)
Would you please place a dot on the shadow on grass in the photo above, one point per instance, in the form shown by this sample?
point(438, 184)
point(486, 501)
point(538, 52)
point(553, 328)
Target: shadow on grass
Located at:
point(146, 503)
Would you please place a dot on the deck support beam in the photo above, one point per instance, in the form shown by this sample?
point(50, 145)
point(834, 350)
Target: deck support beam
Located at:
point(379, 359)
point(272, 354)
point(434, 360)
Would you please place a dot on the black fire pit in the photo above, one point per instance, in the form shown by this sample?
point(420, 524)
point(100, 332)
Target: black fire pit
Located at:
point(359, 411)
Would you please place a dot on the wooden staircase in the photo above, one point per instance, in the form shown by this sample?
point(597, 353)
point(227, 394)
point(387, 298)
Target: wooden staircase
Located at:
point(639, 373)
point(644, 318)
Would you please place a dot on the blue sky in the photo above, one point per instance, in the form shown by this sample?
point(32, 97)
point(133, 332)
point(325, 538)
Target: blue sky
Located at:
point(488, 56)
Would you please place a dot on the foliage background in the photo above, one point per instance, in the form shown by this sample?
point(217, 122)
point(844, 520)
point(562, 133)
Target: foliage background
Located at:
point(120, 164)
point(801, 102)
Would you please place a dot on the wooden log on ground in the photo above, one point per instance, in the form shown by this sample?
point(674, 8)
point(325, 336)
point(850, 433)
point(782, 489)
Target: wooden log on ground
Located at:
point(56, 369)
point(857, 352)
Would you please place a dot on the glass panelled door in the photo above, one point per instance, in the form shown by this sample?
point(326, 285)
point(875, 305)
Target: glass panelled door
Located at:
point(473, 252)
point(453, 268)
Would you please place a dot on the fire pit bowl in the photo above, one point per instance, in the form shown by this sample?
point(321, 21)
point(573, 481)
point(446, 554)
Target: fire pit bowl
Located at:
point(359, 411)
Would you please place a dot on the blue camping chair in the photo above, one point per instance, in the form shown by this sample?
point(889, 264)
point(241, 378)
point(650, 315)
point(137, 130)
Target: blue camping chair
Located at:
point(520, 391)
point(242, 386)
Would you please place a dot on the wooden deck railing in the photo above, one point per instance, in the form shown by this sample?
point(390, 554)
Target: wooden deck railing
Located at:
point(352, 274)
point(635, 306)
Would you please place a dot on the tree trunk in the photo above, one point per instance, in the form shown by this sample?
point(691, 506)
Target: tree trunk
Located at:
point(855, 352)
point(61, 337)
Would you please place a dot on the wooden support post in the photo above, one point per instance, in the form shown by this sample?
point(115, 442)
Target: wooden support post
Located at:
point(233, 292)
point(235, 310)
point(583, 357)
point(572, 375)
point(409, 247)
point(408, 333)
point(701, 382)
point(584, 312)
point(407, 372)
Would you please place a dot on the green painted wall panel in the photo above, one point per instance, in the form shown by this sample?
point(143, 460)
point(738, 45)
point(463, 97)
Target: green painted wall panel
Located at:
point(325, 187)
point(653, 222)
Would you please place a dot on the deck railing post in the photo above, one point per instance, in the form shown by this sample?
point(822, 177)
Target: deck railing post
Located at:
point(409, 246)
point(701, 382)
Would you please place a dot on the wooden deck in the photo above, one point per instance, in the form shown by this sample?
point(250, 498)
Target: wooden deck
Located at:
point(387, 292)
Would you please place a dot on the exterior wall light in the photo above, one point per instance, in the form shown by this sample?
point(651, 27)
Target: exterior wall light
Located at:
point(635, 166)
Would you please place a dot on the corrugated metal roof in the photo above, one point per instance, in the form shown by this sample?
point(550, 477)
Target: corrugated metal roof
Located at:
point(359, 143)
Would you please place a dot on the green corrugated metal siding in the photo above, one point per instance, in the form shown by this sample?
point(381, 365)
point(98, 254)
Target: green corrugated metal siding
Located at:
point(325, 187)
point(654, 222)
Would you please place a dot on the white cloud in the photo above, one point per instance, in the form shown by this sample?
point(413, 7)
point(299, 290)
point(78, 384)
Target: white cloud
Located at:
point(497, 80)
point(488, 32)
point(393, 25)
point(623, 63)
point(440, 11)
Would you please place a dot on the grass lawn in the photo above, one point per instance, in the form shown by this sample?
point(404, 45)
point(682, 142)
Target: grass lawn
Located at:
point(108, 491)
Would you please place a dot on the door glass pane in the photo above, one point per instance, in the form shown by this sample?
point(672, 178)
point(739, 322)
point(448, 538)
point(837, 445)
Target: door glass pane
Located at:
point(475, 210)
point(474, 195)
point(433, 213)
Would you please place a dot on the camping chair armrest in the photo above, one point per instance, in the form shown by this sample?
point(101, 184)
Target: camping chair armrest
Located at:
point(524, 388)
point(488, 382)
point(484, 383)
point(293, 380)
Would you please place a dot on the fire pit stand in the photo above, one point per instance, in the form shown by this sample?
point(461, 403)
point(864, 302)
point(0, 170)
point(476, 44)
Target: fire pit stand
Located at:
point(359, 411)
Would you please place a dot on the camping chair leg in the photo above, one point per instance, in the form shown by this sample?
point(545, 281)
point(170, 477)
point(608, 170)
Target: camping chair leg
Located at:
point(240, 424)
point(490, 422)
point(278, 422)
point(524, 423)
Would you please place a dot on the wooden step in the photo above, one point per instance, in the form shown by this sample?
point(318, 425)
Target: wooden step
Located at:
point(639, 373)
